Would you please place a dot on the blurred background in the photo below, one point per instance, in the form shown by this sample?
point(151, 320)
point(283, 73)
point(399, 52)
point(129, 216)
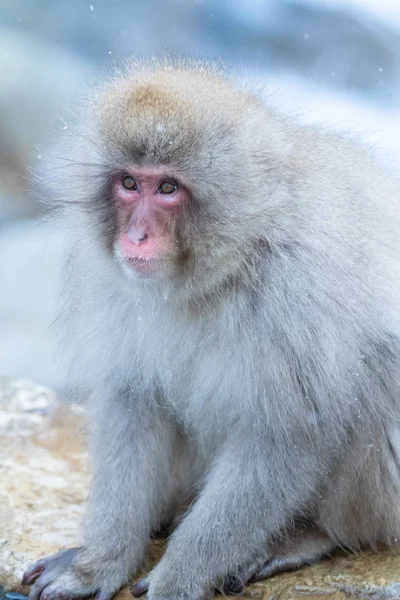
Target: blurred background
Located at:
point(330, 61)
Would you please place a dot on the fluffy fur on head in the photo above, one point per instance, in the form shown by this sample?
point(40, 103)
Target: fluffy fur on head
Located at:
point(193, 119)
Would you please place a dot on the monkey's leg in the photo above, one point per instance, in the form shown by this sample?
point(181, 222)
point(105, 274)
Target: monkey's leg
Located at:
point(132, 447)
point(303, 548)
point(251, 491)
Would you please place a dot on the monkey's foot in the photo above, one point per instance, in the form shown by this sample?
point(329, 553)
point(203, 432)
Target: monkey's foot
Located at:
point(301, 550)
point(142, 587)
point(56, 578)
point(234, 585)
point(166, 590)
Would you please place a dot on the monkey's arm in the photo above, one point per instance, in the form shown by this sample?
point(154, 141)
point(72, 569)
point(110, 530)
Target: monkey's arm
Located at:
point(131, 449)
point(252, 491)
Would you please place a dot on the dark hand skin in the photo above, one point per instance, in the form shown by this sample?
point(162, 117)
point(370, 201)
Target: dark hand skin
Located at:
point(41, 573)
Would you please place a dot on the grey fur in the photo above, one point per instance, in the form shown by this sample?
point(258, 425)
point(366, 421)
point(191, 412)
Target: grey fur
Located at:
point(257, 382)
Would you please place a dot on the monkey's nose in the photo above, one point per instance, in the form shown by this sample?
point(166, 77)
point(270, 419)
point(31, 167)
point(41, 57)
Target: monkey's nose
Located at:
point(137, 236)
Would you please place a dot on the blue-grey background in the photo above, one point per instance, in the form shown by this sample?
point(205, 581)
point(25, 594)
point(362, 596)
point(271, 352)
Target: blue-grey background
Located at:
point(333, 61)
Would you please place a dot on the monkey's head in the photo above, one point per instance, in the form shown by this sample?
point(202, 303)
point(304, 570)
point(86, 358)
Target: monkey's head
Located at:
point(185, 167)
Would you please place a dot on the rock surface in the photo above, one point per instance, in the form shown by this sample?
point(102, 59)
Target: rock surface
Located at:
point(42, 476)
point(43, 484)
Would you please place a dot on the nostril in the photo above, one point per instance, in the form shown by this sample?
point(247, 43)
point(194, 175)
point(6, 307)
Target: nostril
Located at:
point(137, 236)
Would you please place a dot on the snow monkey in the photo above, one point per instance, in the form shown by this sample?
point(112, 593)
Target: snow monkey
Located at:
point(232, 303)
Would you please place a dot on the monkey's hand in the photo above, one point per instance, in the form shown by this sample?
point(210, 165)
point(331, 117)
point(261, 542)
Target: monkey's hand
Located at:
point(68, 575)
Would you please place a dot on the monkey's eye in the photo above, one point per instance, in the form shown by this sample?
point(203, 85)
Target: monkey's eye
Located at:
point(129, 183)
point(167, 187)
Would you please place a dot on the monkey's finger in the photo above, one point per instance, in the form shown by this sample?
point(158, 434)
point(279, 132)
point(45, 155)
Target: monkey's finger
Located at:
point(33, 572)
point(64, 557)
point(140, 588)
point(277, 566)
point(41, 583)
point(233, 586)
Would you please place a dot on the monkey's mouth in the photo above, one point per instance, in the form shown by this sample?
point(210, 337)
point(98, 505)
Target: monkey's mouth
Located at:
point(143, 267)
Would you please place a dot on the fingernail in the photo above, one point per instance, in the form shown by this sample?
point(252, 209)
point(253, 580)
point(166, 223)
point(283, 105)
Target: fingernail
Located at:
point(140, 588)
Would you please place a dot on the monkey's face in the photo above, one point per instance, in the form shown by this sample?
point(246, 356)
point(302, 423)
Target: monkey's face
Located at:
point(182, 198)
point(149, 202)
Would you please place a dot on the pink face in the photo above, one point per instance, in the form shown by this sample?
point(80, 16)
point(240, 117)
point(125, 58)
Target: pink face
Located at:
point(148, 202)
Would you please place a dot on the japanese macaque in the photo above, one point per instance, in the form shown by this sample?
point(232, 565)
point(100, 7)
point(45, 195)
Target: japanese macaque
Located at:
point(232, 304)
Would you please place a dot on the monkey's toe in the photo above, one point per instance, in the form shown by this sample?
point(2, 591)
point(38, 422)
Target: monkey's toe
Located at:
point(233, 586)
point(42, 573)
point(62, 585)
point(277, 566)
point(58, 577)
point(140, 588)
point(49, 563)
point(54, 578)
point(33, 572)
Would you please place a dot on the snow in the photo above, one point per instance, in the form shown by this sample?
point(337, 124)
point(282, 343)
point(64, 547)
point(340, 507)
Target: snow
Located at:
point(384, 10)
